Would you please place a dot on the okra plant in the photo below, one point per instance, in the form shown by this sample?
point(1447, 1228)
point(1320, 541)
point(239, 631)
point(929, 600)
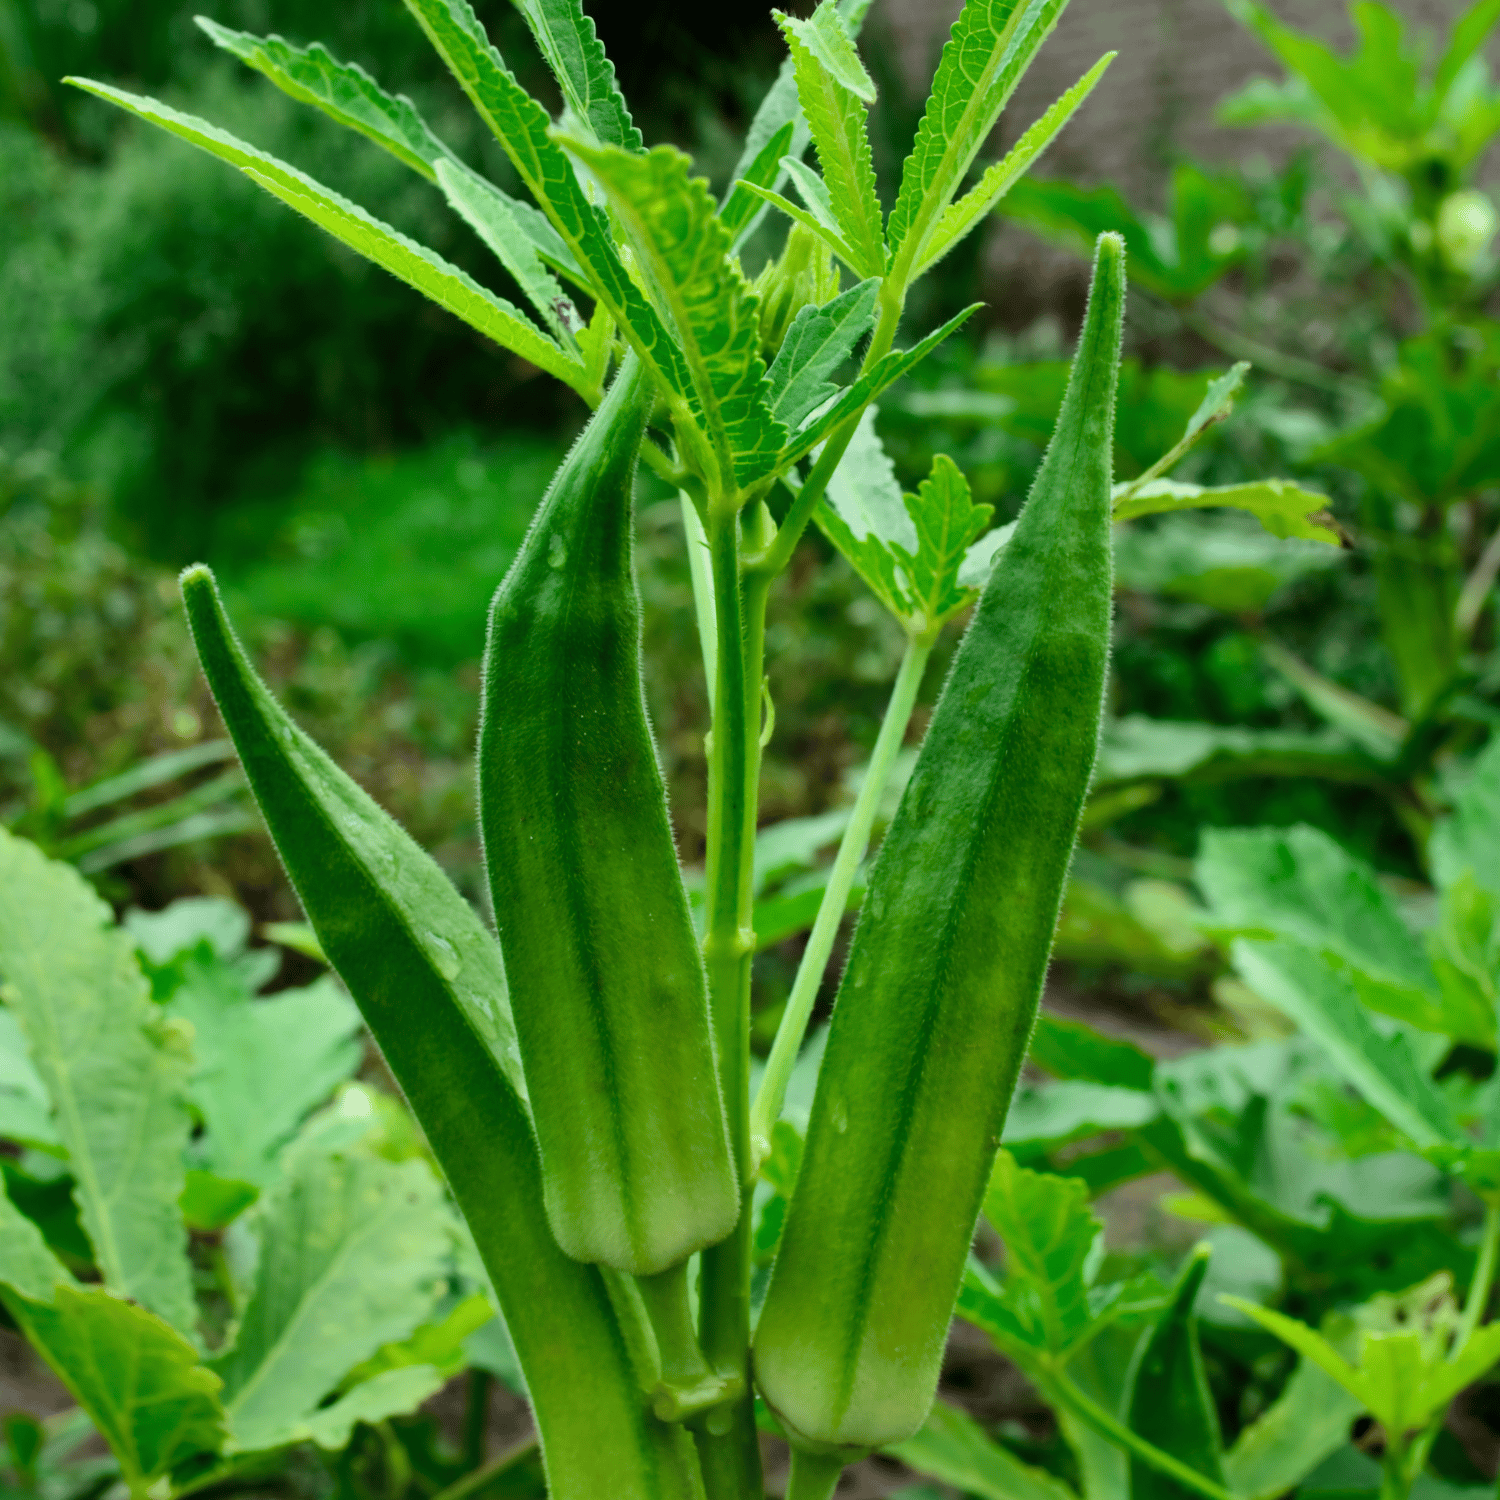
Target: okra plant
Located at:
point(582, 1074)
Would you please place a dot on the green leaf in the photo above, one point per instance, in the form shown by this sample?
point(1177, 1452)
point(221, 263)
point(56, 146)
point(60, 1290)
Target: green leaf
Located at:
point(343, 91)
point(492, 216)
point(1170, 1404)
point(1057, 1113)
point(831, 84)
point(682, 250)
point(947, 523)
point(855, 398)
point(1326, 1005)
point(566, 37)
point(439, 1344)
point(1050, 1235)
point(139, 1380)
point(429, 981)
point(952, 1446)
point(422, 269)
point(818, 342)
point(351, 1252)
point(960, 217)
point(113, 1069)
point(250, 1088)
point(26, 1264)
point(1469, 34)
point(991, 46)
point(818, 217)
point(210, 1203)
point(25, 1109)
point(1073, 1049)
point(740, 205)
point(1307, 1423)
point(864, 516)
point(1298, 883)
point(523, 128)
point(392, 1393)
point(1466, 840)
point(1285, 509)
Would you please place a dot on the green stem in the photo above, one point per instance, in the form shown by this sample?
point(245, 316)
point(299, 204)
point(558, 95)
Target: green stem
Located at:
point(730, 1448)
point(814, 1476)
point(1483, 1279)
point(1395, 1481)
point(688, 1385)
point(1063, 1392)
point(703, 586)
point(471, 1483)
point(772, 1095)
point(476, 1416)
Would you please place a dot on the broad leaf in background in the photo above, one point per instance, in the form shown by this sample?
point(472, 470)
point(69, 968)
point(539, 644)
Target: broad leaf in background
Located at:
point(566, 37)
point(139, 1380)
point(351, 1251)
point(25, 1109)
point(1074, 1049)
point(952, 1446)
point(1170, 1404)
point(833, 89)
point(420, 268)
point(392, 1393)
point(990, 47)
point(1468, 840)
point(1285, 509)
point(113, 1068)
point(682, 251)
point(1306, 1423)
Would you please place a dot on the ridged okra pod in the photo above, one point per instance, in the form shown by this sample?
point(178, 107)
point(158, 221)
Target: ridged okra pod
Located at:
point(939, 997)
point(607, 983)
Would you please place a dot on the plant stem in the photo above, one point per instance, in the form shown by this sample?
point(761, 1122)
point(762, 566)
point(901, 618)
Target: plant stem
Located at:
point(1484, 1278)
point(789, 1034)
point(731, 1458)
point(476, 1416)
point(688, 1385)
point(703, 587)
point(814, 1476)
point(1063, 1392)
point(512, 1458)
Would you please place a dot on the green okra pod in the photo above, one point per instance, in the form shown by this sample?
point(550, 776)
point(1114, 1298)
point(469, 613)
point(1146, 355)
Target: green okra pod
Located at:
point(946, 967)
point(607, 983)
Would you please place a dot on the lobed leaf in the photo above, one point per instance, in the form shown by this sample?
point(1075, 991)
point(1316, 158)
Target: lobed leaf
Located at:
point(566, 37)
point(343, 91)
point(947, 524)
point(422, 269)
point(114, 1070)
point(818, 342)
point(523, 128)
point(138, 1379)
point(831, 85)
point(960, 217)
point(1285, 509)
point(352, 1249)
point(990, 48)
point(682, 251)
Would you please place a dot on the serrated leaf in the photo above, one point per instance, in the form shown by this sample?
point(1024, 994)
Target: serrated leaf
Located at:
point(113, 1069)
point(1326, 1005)
point(139, 1381)
point(1308, 1422)
point(947, 522)
point(830, 85)
point(422, 269)
point(1170, 1403)
point(566, 37)
point(818, 342)
point(990, 48)
point(250, 1089)
point(818, 217)
point(392, 1393)
point(886, 372)
point(491, 215)
point(1049, 1234)
point(351, 1252)
point(952, 1446)
point(960, 217)
point(682, 250)
point(523, 128)
point(1285, 509)
point(343, 91)
point(762, 170)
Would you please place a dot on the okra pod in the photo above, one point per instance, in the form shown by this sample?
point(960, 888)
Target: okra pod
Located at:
point(946, 967)
point(607, 983)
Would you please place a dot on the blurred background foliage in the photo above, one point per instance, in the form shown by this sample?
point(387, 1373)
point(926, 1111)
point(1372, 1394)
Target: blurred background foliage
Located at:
point(188, 371)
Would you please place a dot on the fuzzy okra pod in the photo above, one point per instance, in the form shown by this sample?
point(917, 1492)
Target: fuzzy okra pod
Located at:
point(939, 997)
point(607, 983)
